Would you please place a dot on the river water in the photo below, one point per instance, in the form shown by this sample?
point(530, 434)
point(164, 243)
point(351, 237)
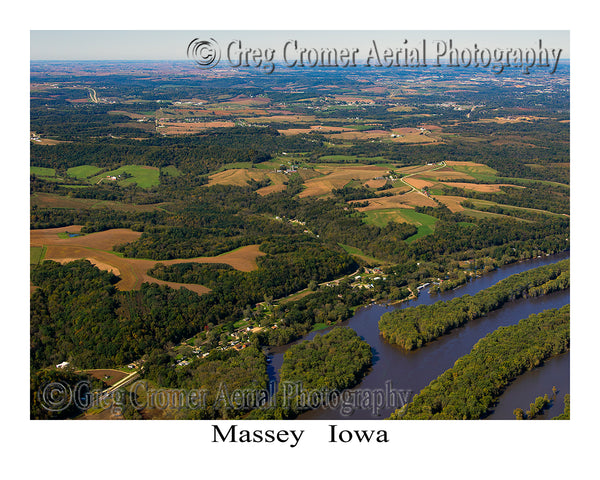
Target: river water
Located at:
point(535, 383)
point(408, 372)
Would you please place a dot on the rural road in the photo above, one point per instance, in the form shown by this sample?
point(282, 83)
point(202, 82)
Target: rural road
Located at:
point(121, 383)
point(402, 179)
point(93, 96)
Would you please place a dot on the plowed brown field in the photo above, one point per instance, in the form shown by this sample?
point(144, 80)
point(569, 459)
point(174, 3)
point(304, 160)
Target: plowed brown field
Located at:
point(96, 247)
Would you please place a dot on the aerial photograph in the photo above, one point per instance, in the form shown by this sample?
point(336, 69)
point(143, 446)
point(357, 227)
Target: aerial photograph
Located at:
point(276, 225)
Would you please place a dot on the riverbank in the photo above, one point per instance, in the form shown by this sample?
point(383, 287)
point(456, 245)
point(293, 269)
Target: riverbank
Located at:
point(413, 370)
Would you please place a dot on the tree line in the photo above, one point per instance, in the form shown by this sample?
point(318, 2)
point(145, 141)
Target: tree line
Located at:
point(326, 364)
point(471, 387)
point(413, 327)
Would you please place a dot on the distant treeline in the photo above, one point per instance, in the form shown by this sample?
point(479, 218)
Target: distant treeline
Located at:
point(470, 388)
point(412, 328)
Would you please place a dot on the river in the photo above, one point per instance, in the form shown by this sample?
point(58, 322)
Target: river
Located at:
point(555, 372)
point(411, 371)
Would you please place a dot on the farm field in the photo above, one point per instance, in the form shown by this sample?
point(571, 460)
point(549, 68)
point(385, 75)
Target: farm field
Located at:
point(480, 187)
point(83, 171)
point(36, 255)
point(454, 204)
point(337, 177)
point(143, 176)
point(271, 189)
point(52, 200)
point(321, 178)
point(410, 199)
point(241, 177)
point(316, 129)
point(281, 119)
point(425, 223)
point(42, 171)
point(179, 128)
point(97, 248)
point(107, 375)
point(478, 171)
point(445, 173)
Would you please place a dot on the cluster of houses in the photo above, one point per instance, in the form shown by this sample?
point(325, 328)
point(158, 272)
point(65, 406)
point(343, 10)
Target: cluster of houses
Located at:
point(366, 281)
point(195, 104)
point(288, 170)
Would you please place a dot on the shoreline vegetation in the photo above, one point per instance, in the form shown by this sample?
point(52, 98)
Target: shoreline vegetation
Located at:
point(326, 364)
point(473, 385)
point(412, 328)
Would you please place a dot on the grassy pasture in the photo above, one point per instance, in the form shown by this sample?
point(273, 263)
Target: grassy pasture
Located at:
point(144, 176)
point(425, 223)
point(36, 255)
point(476, 170)
point(52, 200)
point(42, 171)
point(83, 171)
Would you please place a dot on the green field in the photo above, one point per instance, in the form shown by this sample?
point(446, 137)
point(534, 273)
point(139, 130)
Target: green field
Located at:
point(36, 255)
point(425, 223)
point(478, 172)
point(42, 171)
point(145, 177)
point(83, 171)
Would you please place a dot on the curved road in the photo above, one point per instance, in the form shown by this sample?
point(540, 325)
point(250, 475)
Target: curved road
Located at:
point(413, 188)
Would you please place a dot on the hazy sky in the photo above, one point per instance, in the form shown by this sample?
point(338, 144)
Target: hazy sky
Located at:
point(172, 45)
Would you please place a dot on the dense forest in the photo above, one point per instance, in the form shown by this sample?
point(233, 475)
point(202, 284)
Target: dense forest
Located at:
point(412, 328)
point(59, 394)
point(218, 376)
point(291, 266)
point(321, 367)
point(471, 387)
point(78, 316)
point(73, 298)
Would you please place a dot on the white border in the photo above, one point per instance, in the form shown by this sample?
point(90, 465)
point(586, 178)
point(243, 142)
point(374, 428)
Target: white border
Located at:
point(153, 449)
